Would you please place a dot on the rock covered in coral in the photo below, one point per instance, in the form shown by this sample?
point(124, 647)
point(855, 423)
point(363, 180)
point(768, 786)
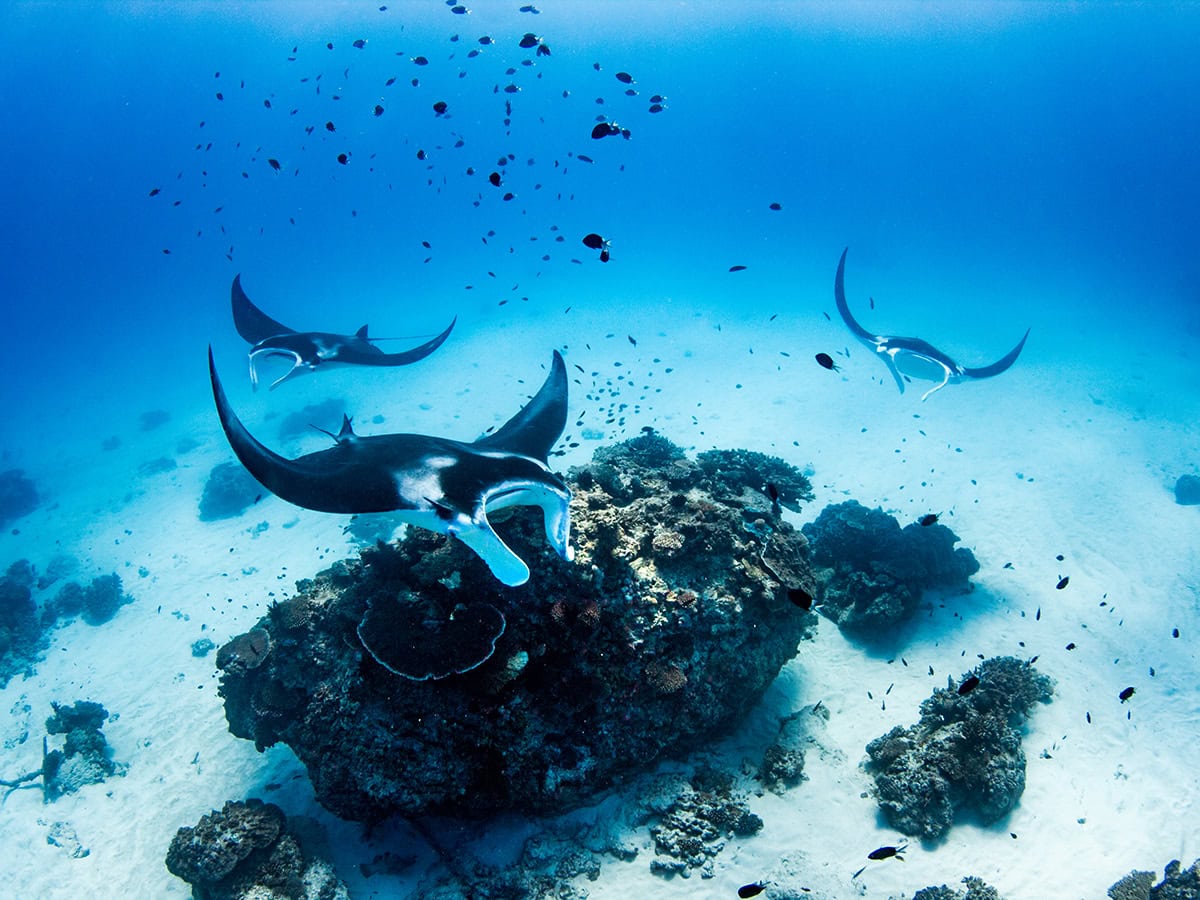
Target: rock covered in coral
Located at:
point(102, 598)
point(22, 639)
point(667, 627)
point(229, 491)
point(872, 573)
point(977, 889)
point(245, 851)
point(85, 757)
point(698, 822)
point(783, 761)
point(1187, 490)
point(1177, 884)
point(965, 752)
point(18, 496)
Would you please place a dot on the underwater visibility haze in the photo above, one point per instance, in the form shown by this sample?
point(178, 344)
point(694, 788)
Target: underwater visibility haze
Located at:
point(715, 449)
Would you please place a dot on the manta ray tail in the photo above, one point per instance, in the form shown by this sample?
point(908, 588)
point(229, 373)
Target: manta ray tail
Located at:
point(1000, 365)
point(252, 323)
point(839, 295)
point(535, 429)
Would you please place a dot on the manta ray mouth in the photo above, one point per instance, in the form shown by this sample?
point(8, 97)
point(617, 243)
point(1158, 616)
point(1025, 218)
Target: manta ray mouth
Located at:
point(554, 503)
point(255, 355)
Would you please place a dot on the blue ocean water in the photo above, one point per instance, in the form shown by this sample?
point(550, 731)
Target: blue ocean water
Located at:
point(992, 167)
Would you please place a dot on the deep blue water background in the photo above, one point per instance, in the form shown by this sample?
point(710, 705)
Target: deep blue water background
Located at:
point(992, 166)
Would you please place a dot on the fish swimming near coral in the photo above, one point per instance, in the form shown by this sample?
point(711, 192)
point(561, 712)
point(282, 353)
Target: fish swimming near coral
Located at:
point(310, 349)
point(912, 357)
point(436, 483)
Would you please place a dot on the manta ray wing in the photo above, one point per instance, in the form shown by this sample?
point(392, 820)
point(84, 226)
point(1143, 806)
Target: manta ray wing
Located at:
point(252, 323)
point(535, 429)
point(360, 351)
point(1002, 364)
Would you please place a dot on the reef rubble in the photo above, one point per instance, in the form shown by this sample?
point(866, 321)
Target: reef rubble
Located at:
point(667, 627)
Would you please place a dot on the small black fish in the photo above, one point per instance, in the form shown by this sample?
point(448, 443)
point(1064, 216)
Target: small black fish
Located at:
point(329, 126)
point(737, 268)
point(154, 192)
point(274, 164)
point(1071, 646)
point(800, 597)
point(775, 207)
point(753, 889)
point(530, 40)
point(968, 685)
point(494, 178)
point(593, 241)
point(1174, 632)
point(459, 10)
point(826, 362)
point(604, 255)
point(360, 43)
point(1062, 582)
point(343, 158)
point(605, 129)
point(1126, 694)
point(624, 78)
point(928, 519)
point(886, 852)
point(378, 110)
point(656, 107)
point(439, 108)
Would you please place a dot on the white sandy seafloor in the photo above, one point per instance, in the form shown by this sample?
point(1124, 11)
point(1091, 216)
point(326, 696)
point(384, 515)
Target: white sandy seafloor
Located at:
point(1071, 456)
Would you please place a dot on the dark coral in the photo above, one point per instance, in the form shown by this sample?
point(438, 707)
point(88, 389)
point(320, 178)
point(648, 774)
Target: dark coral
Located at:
point(965, 752)
point(18, 496)
point(873, 573)
point(1187, 490)
point(1177, 884)
point(229, 491)
point(977, 889)
point(85, 757)
point(759, 475)
point(414, 637)
point(21, 637)
point(102, 598)
point(667, 627)
point(246, 850)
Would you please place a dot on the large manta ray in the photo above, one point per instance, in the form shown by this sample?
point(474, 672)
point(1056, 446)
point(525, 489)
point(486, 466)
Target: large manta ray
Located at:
point(444, 485)
point(913, 357)
point(309, 349)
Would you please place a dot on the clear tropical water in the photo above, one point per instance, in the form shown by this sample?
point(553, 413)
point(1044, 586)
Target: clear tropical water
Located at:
point(992, 167)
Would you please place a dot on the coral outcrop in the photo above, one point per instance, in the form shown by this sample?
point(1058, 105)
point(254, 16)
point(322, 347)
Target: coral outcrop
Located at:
point(229, 491)
point(22, 639)
point(1187, 490)
point(1177, 884)
point(245, 851)
point(871, 573)
point(977, 889)
point(18, 496)
point(666, 628)
point(85, 757)
point(965, 752)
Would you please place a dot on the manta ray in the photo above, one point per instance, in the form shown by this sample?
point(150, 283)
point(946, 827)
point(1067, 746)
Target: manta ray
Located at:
point(913, 357)
point(309, 349)
point(436, 483)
